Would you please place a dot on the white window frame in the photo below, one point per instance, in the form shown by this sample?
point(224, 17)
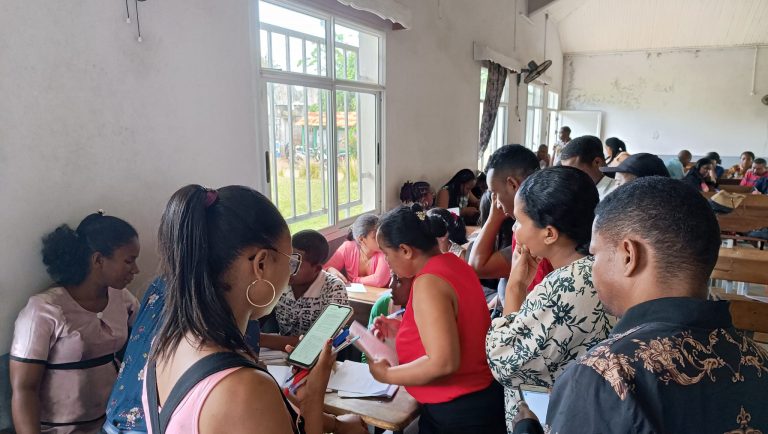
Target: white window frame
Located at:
point(551, 113)
point(531, 107)
point(264, 76)
point(495, 141)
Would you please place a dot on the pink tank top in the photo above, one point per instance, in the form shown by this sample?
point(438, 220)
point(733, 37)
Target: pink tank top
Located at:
point(187, 415)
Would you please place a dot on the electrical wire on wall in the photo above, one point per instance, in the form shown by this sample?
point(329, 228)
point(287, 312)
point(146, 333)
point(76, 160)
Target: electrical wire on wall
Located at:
point(138, 21)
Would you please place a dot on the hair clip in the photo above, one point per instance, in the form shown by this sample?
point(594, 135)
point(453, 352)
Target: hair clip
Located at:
point(100, 212)
point(210, 197)
point(421, 215)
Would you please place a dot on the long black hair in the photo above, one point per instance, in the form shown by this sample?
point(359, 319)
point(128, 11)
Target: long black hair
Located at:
point(67, 252)
point(411, 226)
point(457, 230)
point(414, 192)
point(564, 198)
point(461, 177)
point(201, 233)
point(616, 146)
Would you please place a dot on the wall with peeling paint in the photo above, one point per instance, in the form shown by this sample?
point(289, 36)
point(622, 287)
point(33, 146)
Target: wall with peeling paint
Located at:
point(661, 102)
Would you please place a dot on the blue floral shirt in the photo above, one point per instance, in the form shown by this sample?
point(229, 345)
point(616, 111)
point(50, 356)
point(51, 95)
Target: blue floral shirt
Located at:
point(124, 408)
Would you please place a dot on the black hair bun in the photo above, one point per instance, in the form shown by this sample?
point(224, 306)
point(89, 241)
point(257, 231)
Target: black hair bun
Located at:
point(66, 256)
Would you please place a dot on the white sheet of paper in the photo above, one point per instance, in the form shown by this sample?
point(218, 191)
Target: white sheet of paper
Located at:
point(537, 403)
point(372, 347)
point(281, 373)
point(356, 378)
point(356, 287)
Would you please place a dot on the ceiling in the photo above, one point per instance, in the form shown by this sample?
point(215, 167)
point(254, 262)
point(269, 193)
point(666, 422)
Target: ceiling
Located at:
point(632, 25)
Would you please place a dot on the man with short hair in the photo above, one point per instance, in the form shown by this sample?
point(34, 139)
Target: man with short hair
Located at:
point(676, 166)
point(674, 362)
point(507, 168)
point(586, 154)
point(737, 171)
point(754, 174)
point(636, 166)
point(564, 138)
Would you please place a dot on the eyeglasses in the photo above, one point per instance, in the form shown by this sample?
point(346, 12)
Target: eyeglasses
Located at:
point(294, 260)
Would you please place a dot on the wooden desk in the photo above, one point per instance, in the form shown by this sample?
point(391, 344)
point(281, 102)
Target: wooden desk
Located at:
point(751, 214)
point(389, 414)
point(727, 181)
point(742, 264)
point(362, 302)
point(743, 189)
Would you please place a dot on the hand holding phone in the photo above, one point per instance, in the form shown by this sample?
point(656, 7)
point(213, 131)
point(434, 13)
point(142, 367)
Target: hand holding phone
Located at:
point(326, 326)
point(537, 400)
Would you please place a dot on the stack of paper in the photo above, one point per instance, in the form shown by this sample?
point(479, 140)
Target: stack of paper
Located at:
point(354, 380)
point(272, 357)
point(356, 287)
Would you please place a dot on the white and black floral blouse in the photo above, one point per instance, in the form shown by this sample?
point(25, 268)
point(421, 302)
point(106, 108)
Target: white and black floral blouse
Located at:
point(560, 319)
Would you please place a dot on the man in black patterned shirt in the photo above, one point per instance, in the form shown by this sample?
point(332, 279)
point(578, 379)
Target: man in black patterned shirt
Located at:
point(674, 362)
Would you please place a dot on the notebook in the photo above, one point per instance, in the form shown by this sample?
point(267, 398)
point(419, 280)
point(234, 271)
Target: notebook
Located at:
point(370, 345)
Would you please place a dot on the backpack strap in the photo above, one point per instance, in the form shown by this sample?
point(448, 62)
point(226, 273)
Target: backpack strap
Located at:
point(199, 371)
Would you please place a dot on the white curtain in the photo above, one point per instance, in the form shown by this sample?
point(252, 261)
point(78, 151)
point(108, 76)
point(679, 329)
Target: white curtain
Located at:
point(386, 9)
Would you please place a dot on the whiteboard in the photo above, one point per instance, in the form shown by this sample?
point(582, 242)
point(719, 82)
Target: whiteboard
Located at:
point(581, 122)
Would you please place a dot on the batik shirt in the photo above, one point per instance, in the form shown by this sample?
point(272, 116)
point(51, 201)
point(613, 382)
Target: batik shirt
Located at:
point(671, 365)
point(294, 317)
point(559, 321)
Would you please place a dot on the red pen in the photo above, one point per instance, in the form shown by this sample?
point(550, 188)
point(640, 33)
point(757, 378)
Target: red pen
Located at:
point(296, 381)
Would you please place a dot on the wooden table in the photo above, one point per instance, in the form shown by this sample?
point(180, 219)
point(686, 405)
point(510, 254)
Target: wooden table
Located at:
point(742, 264)
point(362, 302)
point(388, 414)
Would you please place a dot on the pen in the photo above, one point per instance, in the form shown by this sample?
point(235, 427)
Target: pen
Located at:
point(396, 314)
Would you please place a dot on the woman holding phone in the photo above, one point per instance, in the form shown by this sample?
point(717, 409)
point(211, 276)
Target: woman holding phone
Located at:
point(225, 256)
point(440, 340)
point(541, 332)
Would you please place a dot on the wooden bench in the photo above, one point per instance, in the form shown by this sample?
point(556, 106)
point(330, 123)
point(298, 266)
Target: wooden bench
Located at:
point(742, 264)
point(737, 189)
point(751, 214)
point(746, 313)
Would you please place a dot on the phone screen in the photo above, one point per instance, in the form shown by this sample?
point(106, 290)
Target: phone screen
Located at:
point(537, 402)
point(327, 324)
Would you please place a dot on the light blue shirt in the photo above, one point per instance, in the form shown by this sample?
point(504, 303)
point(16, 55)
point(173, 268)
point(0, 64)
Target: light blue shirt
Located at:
point(675, 168)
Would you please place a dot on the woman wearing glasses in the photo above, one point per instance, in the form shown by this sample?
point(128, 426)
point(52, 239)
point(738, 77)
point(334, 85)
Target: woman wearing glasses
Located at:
point(226, 257)
point(311, 290)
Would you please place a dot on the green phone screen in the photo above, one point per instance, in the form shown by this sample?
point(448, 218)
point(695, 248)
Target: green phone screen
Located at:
point(332, 318)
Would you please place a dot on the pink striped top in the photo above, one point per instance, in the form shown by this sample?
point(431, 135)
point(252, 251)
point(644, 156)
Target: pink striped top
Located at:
point(347, 260)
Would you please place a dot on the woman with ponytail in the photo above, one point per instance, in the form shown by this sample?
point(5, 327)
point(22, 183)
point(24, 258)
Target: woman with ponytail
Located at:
point(359, 259)
point(63, 356)
point(455, 236)
point(440, 339)
point(226, 257)
point(541, 332)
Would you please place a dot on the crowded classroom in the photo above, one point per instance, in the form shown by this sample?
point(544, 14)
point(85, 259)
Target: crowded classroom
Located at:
point(384, 216)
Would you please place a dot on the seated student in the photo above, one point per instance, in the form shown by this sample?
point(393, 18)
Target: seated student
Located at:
point(674, 363)
point(507, 168)
point(223, 255)
point(359, 259)
point(440, 340)
point(754, 174)
point(676, 166)
point(491, 287)
point(311, 290)
point(761, 185)
point(719, 171)
point(543, 155)
point(125, 414)
point(63, 355)
point(455, 237)
point(457, 193)
point(417, 192)
point(698, 176)
point(586, 153)
point(615, 151)
point(543, 331)
point(391, 302)
point(636, 166)
point(737, 171)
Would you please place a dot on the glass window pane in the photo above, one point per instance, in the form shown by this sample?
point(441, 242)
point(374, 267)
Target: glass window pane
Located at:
point(282, 23)
point(483, 82)
point(341, 64)
point(361, 46)
point(537, 113)
point(529, 128)
point(312, 56)
point(298, 136)
point(356, 119)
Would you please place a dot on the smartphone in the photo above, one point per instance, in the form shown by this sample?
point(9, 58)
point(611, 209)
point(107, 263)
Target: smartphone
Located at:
point(537, 399)
point(326, 326)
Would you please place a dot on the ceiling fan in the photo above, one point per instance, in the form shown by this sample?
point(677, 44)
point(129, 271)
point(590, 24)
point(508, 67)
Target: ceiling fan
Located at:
point(765, 99)
point(533, 69)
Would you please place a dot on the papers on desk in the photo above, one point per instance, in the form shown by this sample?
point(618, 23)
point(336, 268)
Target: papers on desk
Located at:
point(354, 380)
point(272, 357)
point(372, 347)
point(758, 298)
point(280, 372)
point(356, 287)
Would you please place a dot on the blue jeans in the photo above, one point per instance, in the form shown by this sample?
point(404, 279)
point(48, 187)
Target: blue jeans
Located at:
point(108, 428)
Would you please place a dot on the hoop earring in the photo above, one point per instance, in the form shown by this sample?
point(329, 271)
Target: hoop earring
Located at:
point(248, 290)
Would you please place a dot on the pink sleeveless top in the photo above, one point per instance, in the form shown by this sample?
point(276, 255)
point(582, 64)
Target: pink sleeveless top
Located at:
point(187, 415)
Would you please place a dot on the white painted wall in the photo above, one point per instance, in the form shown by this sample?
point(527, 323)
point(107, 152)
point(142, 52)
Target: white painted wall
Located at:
point(90, 118)
point(433, 85)
point(664, 102)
